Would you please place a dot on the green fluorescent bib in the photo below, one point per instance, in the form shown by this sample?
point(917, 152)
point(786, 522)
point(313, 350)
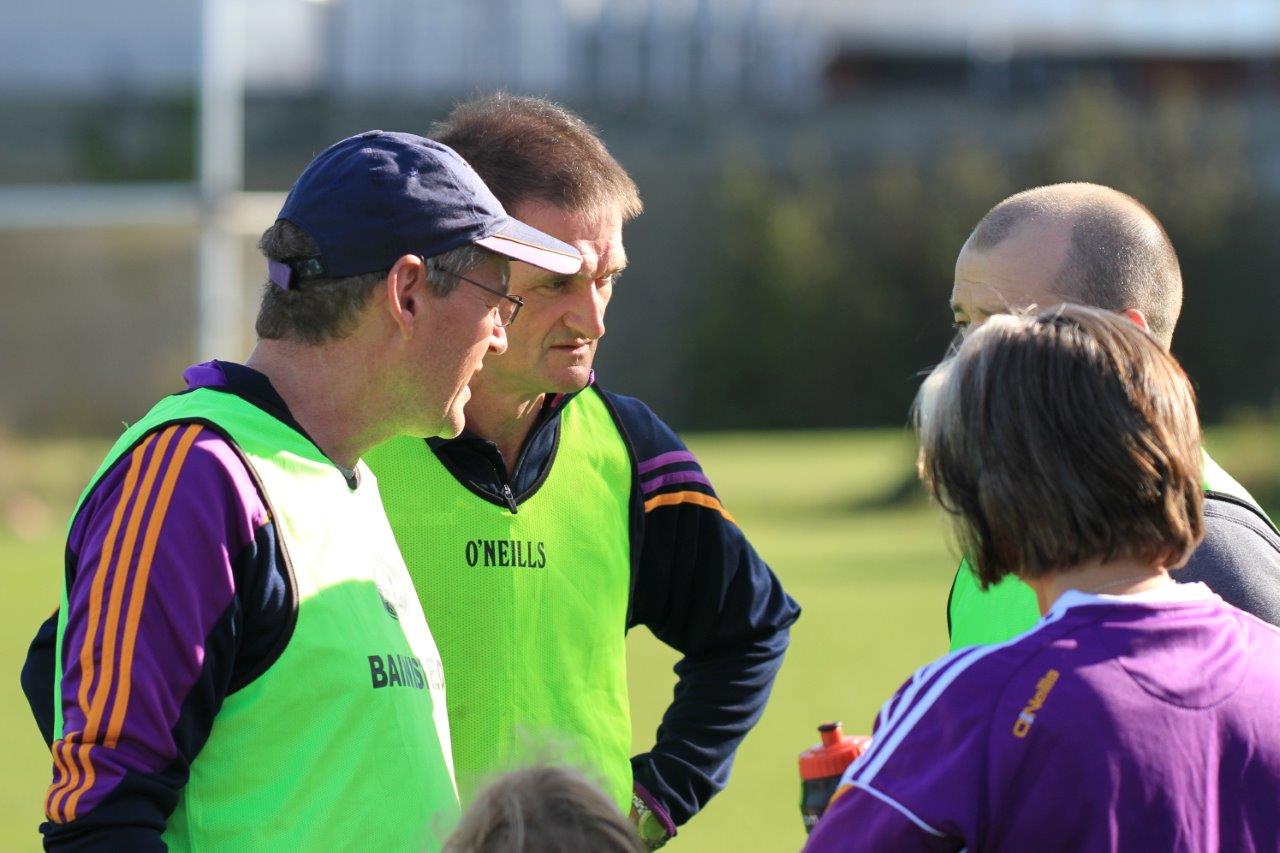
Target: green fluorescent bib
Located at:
point(1009, 608)
point(327, 749)
point(529, 609)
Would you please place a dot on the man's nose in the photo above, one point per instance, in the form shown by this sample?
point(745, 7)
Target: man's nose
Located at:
point(586, 317)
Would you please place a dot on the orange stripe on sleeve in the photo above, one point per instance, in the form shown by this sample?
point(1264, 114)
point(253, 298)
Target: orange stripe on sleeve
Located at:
point(61, 778)
point(110, 634)
point(72, 779)
point(124, 562)
point(698, 498)
point(134, 617)
point(99, 580)
point(82, 751)
point(68, 775)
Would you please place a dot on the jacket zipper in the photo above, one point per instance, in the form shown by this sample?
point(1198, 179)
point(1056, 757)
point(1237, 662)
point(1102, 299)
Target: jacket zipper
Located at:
point(507, 494)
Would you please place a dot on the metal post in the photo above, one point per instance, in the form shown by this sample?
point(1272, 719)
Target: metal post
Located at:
point(220, 290)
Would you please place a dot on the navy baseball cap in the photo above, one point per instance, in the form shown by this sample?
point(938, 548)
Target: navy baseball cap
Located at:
point(372, 198)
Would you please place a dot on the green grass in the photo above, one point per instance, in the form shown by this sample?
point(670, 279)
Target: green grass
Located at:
point(832, 512)
point(872, 577)
point(31, 590)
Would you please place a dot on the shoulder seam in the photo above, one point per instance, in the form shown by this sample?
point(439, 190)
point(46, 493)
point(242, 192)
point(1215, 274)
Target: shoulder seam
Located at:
point(894, 804)
point(1260, 531)
point(608, 400)
point(1254, 511)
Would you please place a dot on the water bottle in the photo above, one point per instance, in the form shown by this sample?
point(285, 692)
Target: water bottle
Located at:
point(821, 767)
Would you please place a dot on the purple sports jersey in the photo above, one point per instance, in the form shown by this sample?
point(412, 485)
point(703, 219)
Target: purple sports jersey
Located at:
point(1141, 722)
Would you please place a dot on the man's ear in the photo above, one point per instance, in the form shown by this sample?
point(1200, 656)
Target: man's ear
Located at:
point(405, 291)
point(1138, 319)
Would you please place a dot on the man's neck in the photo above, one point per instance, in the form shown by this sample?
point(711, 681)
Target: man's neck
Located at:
point(338, 409)
point(505, 417)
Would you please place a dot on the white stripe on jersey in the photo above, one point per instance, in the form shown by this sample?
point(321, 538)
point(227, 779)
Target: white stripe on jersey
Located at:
point(891, 736)
point(893, 710)
point(897, 703)
point(903, 695)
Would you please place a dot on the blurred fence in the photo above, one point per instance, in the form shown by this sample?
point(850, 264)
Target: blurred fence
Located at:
point(792, 267)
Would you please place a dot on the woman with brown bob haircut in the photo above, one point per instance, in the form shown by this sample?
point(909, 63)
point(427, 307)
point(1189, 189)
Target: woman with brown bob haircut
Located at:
point(1065, 446)
point(1138, 714)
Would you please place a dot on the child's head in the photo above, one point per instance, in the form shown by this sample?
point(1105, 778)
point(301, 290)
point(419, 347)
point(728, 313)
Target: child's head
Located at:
point(543, 810)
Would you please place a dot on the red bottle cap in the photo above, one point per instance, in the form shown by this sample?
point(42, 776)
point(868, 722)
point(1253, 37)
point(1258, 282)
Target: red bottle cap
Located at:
point(836, 752)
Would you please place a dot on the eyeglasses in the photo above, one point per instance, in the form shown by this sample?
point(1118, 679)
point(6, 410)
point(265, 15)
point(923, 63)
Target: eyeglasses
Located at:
point(508, 307)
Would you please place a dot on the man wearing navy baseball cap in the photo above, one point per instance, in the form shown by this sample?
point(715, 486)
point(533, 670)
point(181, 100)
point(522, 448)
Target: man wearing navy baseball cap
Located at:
point(240, 659)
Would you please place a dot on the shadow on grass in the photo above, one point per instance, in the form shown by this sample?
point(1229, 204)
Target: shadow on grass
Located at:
point(905, 492)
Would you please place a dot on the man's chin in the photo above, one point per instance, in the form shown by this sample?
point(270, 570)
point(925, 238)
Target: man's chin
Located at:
point(569, 380)
point(449, 426)
point(453, 425)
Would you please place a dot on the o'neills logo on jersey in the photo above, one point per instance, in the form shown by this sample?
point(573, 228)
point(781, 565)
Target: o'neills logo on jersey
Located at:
point(1022, 725)
point(506, 553)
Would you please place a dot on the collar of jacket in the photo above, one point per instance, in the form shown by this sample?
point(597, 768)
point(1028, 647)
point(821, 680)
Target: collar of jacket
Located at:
point(476, 462)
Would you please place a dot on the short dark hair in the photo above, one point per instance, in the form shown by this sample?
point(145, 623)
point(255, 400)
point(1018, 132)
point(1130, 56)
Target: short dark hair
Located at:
point(543, 810)
point(531, 149)
point(1061, 438)
point(326, 309)
point(1120, 255)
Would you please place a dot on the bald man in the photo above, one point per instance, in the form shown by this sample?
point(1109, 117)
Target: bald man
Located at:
point(1096, 246)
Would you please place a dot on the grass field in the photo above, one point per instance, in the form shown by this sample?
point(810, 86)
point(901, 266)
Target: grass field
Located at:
point(832, 513)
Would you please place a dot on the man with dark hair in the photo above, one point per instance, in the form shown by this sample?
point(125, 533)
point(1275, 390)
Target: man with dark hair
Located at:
point(1138, 714)
point(241, 662)
point(1096, 246)
point(567, 514)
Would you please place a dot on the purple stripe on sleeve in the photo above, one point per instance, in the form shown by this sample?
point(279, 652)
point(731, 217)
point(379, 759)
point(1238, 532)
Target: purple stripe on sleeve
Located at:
point(651, 486)
point(665, 459)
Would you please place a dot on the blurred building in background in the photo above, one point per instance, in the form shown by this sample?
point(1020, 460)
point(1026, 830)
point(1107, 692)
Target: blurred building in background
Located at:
point(654, 50)
point(661, 51)
point(800, 160)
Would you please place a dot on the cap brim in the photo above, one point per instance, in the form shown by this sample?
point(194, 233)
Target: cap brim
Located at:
point(522, 242)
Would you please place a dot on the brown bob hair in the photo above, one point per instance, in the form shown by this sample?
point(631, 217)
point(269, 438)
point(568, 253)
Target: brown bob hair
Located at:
point(1062, 438)
point(543, 810)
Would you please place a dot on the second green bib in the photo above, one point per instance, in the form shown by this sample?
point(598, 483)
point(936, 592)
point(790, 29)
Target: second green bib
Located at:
point(528, 608)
